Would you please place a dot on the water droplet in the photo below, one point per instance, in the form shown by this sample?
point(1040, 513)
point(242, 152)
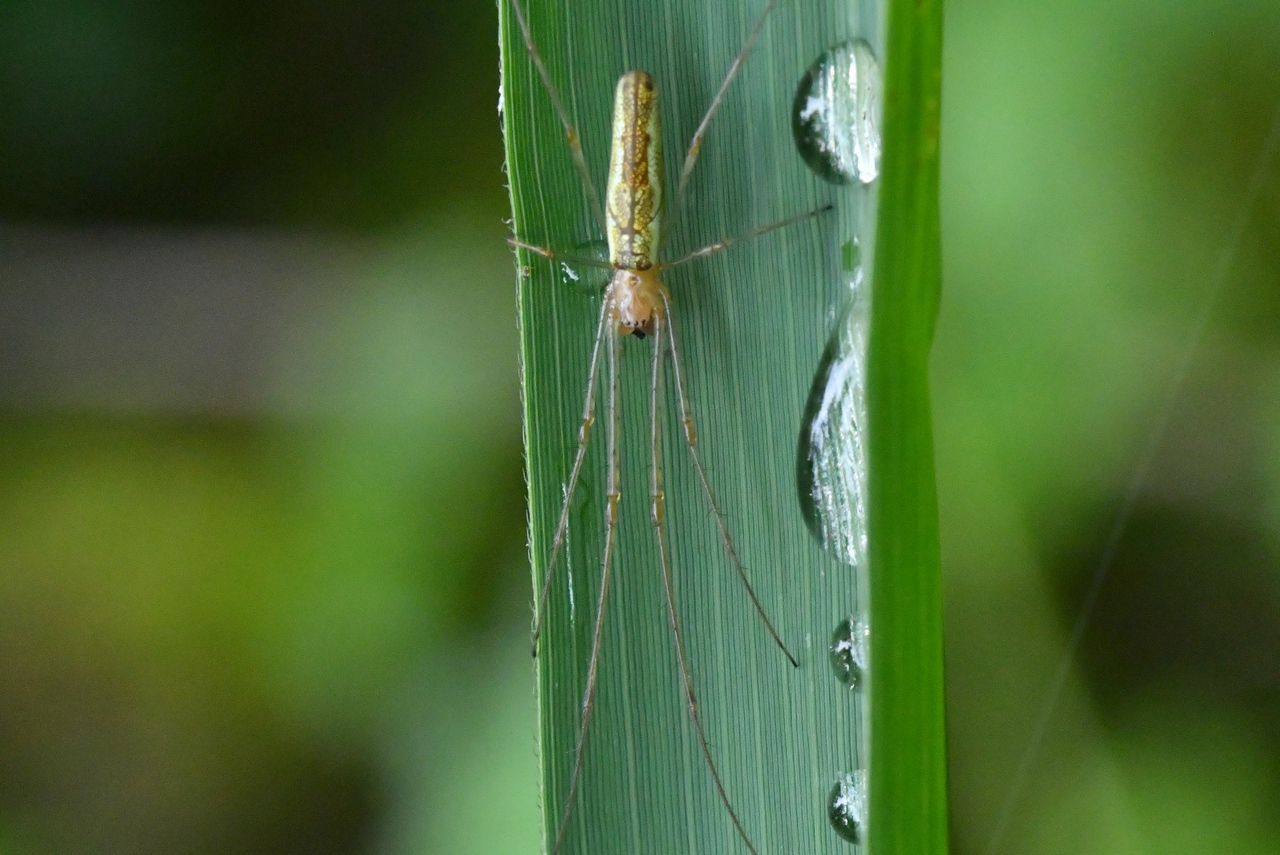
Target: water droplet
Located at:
point(847, 806)
point(836, 114)
point(850, 256)
point(831, 470)
point(849, 651)
point(587, 277)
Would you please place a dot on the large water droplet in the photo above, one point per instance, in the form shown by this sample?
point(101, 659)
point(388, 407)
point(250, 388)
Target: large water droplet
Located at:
point(836, 114)
point(831, 470)
point(849, 651)
point(847, 806)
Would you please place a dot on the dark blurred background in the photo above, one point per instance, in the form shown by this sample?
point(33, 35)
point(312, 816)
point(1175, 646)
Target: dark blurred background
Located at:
point(262, 575)
point(262, 580)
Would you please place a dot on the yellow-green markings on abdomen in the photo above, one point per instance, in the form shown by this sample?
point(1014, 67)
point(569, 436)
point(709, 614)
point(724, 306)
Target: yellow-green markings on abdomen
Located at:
point(634, 192)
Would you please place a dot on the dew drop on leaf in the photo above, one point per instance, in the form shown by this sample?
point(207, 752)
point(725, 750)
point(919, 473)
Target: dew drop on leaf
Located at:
point(849, 651)
point(836, 114)
point(586, 277)
point(847, 806)
point(831, 466)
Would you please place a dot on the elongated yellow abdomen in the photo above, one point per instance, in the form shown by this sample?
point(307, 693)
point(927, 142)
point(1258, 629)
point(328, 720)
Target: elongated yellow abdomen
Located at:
point(634, 193)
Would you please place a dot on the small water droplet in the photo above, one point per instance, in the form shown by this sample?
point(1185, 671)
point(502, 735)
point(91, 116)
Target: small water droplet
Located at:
point(847, 806)
point(849, 651)
point(587, 277)
point(831, 470)
point(836, 114)
point(850, 256)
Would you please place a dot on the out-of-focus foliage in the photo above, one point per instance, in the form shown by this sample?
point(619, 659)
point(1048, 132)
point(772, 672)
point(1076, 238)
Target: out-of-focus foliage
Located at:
point(291, 112)
point(262, 582)
point(1095, 156)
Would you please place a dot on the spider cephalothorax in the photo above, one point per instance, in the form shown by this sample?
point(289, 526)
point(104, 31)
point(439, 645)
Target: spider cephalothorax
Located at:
point(635, 300)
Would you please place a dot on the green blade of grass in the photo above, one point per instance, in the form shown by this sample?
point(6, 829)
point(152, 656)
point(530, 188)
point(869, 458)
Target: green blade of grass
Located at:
point(752, 324)
point(908, 779)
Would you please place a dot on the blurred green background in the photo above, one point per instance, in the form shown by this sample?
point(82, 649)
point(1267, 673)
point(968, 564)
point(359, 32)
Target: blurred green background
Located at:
point(262, 574)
